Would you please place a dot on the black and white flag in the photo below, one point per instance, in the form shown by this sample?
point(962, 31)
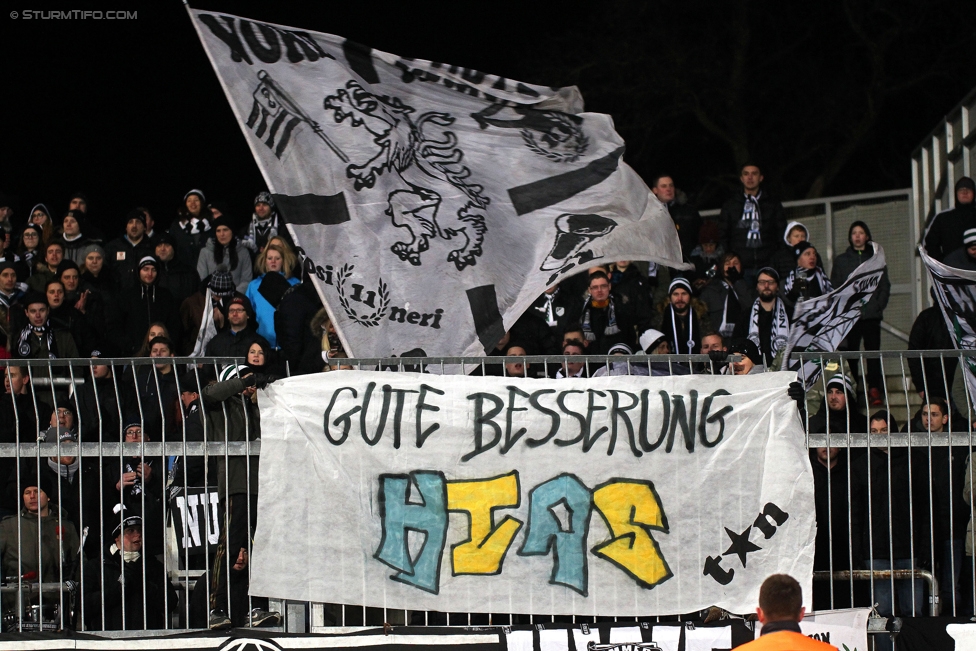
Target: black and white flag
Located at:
point(433, 203)
point(820, 324)
point(956, 291)
point(196, 519)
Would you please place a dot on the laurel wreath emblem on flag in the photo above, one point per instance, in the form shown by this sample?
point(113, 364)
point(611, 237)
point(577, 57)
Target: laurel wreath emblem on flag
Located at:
point(367, 320)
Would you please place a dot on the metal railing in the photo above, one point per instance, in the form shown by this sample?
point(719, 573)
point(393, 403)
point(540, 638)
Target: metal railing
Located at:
point(873, 548)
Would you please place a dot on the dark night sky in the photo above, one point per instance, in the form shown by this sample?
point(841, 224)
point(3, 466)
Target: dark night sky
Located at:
point(131, 112)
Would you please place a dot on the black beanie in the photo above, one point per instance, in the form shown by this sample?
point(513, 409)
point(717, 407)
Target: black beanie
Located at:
point(965, 182)
point(800, 248)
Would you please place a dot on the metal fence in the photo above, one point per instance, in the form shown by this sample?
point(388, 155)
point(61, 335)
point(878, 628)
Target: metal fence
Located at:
point(892, 501)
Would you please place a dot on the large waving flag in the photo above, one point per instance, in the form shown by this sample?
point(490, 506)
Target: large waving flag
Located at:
point(955, 290)
point(820, 324)
point(432, 203)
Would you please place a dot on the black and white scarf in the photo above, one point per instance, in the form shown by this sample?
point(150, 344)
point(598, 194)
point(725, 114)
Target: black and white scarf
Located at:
point(815, 275)
point(691, 331)
point(779, 332)
point(260, 231)
point(587, 327)
point(130, 466)
point(726, 328)
point(26, 348)
point(750, 219)
point(194, 226)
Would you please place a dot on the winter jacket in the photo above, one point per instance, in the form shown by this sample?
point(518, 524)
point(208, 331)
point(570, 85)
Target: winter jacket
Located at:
point(848, 420)
point(231, 417)
point(76, 493)
point(154, 387)
point(293, 319)
point(123, 591)
point(908, 502)
point(700, 323)
point(263, 310)
point(63, 341)
point(228, 343)
point(180, 279)
point(735, 233)
point(74, 250)
point(929, 332)
point(633, 317)
point(188, 246)
point(944, 233)
point(731, 302)
point(99, 416)
point(688, 223)
point(142, 305)
point(122, 259)
point(58, 542)
point(241, 273)
point(840, 514)
point(84, 328)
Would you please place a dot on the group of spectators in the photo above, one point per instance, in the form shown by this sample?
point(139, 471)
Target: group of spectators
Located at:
point(208, 286)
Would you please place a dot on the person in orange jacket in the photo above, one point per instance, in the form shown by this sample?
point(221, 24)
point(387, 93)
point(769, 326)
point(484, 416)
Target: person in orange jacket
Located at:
point(780, 612)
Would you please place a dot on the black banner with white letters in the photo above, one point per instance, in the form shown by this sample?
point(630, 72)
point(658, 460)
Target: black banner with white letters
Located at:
point(196, 520)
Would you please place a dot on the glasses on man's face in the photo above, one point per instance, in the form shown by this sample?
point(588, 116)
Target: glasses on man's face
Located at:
point(767, 283)
point(236, 311)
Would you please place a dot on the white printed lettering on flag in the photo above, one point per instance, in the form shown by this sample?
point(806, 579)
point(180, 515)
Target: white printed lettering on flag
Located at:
point(432, 204)
point(820, 324)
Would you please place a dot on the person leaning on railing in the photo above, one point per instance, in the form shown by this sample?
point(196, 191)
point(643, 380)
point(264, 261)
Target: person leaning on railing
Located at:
point(231, 416)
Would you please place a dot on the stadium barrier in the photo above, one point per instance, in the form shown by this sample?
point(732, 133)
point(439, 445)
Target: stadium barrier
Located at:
point(859, 566)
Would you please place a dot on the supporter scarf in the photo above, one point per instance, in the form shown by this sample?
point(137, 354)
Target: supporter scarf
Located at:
point(261, 230)
point(780, 328)
point(815, 275)
point(195, 226)
point(611, 328)
point(130, 466)
point(67, 472)
point(691, 331)
point(26, 348)
point(725, 329)
point(750, 220)
point(7, 301)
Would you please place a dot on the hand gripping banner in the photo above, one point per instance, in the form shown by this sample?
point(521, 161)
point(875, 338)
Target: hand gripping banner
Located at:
point(433, 204)
point(606, 496)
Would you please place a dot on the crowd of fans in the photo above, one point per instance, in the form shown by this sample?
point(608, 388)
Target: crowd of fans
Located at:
point(209, 286)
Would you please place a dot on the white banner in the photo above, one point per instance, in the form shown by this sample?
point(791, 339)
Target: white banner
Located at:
point(956, 292)
point(434, 203)
point(606, 496)
point(844, 629)
point(820, 324)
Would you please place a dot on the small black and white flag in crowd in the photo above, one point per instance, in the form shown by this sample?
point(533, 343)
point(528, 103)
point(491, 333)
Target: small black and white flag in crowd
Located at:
point(196, 519)
point(433, 203)
point(820, 324)
point(956, 292)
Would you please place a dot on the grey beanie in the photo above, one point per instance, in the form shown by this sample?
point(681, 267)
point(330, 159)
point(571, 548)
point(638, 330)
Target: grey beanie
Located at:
point(93, 247)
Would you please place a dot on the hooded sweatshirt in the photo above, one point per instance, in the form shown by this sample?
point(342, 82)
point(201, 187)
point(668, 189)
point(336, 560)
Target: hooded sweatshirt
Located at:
point(783, 260)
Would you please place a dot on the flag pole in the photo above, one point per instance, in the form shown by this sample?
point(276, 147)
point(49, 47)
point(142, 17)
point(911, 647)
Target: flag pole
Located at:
point(297, 110)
